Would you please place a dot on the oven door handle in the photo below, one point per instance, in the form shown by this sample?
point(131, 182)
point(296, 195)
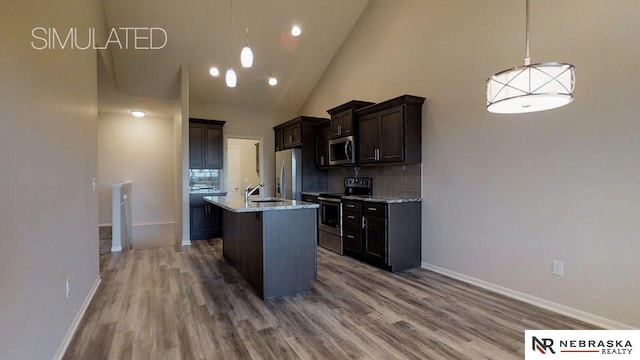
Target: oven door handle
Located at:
point(329, 200)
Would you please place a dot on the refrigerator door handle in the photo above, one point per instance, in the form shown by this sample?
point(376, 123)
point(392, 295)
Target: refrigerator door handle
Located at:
point(282, 181)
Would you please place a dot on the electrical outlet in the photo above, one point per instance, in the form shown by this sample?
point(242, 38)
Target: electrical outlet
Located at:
point(67, 287)
point(558, 268)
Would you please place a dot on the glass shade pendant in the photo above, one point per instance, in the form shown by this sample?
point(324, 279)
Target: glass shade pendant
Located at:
point(532, 87)
point(230, 77)
point(246, 57)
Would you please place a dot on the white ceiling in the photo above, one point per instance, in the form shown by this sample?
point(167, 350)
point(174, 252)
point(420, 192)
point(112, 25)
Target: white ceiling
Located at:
point(198, 36)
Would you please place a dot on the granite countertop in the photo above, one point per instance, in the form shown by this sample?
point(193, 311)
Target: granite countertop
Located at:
point(236, 203)
point(381, 199)
point(207, 192)
point(378, 199)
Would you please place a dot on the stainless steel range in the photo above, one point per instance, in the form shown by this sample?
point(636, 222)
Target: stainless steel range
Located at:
point(330, 212)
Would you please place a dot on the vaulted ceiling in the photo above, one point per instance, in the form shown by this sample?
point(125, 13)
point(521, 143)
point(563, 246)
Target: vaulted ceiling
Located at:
point(205, 33)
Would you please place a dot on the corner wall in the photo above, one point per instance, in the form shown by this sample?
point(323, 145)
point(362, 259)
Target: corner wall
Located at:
point(504, 195)
point(48, 156)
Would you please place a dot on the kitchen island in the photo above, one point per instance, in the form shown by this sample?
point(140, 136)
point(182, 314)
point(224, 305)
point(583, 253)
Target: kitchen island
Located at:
point(271, 242)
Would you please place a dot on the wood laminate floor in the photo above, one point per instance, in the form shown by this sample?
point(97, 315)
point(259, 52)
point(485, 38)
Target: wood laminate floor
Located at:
point(189, 303)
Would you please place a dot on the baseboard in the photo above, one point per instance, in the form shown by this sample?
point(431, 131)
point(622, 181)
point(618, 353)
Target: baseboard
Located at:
point(116, 248)
point(105, 225)
point(74, 325)
point(186, 242)
point(545, 304)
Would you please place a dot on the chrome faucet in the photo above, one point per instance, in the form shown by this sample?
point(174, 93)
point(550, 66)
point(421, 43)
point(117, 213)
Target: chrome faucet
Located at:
point(248, 192)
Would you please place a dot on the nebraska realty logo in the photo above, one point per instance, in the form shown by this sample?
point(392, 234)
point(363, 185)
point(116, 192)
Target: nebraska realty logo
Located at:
point(581, 344)
point(138, 38)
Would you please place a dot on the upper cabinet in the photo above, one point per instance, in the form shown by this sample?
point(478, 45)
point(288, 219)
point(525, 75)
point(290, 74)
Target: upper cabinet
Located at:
point(391, 132)
point(343, 118)
point(323, 133)
point(205, 144)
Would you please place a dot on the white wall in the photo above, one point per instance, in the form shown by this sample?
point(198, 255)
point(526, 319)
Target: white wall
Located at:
point(48, 212)
point(139, 150)
point(504, 195)
point(247, 123)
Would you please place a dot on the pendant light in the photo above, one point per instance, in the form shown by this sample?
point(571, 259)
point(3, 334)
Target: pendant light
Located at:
point(532, 87)
point(246, 55)
point(230, 78)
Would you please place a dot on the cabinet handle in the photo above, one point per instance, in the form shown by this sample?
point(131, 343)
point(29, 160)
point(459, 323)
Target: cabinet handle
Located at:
point(364, 222)
point(372, 209)
point(322, 160)
point(351, 236)
point(351, 206)
point(351, 217)
point(339, 129)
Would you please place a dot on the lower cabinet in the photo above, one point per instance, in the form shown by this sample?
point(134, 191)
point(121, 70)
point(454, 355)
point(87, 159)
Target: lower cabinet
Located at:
point(385, 235)
point(206, 219)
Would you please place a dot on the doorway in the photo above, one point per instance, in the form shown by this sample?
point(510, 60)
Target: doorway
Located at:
point(243, 164)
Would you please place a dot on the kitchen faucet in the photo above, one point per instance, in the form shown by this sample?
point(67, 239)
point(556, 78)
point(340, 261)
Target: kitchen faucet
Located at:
point(248, 192)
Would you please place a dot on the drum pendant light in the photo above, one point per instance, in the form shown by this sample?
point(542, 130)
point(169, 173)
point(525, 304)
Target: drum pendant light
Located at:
point(532, 87)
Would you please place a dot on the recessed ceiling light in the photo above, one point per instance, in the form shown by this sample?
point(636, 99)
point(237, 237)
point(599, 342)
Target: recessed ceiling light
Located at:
point(138, 113)
point(273, 81)
point(213, 71)
point(296, 30)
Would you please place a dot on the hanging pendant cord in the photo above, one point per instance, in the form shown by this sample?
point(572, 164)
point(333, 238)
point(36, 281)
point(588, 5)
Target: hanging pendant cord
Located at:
point(527, 57)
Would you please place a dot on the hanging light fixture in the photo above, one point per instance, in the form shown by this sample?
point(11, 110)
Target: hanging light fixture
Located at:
point(532, 87)
point(246, 55)
point(230, 77)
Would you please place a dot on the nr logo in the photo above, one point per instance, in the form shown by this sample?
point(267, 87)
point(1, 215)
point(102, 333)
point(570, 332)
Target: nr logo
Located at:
point(542, 345)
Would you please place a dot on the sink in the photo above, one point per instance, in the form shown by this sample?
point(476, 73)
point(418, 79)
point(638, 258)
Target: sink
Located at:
point(267, 199)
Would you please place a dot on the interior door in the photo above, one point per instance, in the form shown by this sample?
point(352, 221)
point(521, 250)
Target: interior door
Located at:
point(233, 163)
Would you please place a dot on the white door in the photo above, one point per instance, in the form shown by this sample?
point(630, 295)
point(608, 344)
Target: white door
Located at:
point(233, 163)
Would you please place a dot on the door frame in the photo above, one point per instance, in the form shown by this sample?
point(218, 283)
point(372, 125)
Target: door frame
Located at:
point(225, 174)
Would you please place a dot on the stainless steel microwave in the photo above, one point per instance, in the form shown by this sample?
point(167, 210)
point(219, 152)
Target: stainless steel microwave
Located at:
point(342, 151)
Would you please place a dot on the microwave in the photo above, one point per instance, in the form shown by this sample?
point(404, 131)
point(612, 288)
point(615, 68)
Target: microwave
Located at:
point(342, 151)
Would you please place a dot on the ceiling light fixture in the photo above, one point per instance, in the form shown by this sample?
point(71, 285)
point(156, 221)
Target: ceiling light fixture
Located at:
point(296, 30)
point(246, 55)
point(230, 77)
point(532, 87)
point(138, 113)
point(213, 71)
point(272, 80)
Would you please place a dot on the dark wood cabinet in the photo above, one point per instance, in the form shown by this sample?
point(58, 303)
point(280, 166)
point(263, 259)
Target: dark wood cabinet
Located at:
point(279, 133)
point(206, 219)
point(385, 235)
point(391, 132)
point(301, 133)
point(343, 118)
point(292, 135)
point(205, 144)
point(323, 134)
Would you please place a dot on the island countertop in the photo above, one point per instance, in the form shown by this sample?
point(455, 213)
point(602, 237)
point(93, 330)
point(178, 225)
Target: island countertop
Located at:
point(236, 203)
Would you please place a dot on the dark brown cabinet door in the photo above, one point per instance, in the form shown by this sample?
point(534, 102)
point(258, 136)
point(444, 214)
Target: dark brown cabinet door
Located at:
point(196, 146)
point(391, 139)
point(206, 219)
point(368, 143)
point(205, 144)
point(292, 136)
point(352, 243)
point(279, 139)
point(342, 124)
point(213, 146)
point(375, 239)
point(323, 133)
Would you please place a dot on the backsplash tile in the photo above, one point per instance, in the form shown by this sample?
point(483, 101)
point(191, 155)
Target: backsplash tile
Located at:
point(388, 181)
point(205, 179)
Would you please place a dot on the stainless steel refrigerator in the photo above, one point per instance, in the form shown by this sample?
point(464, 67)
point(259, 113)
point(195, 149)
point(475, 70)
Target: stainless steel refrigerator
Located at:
point(289, 174)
